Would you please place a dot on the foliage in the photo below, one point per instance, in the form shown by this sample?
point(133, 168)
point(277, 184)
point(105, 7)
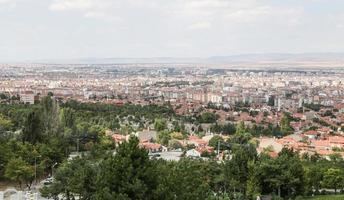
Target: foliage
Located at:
point(32, 131)
point(240, 128)
point(46, 133)
point(163, 137)
point(215, 141)
point(160, 124)
point(5, 124)
point(283, 175)
point(285, 124)
point(20, 171)
point(177, 135)
point(175, 144)
point(333, 178)
point(207, 117)
point(315, 107)
point(325, 197)
point(226, 129)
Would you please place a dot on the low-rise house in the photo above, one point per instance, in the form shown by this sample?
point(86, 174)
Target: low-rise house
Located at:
point(206, 126)
point(206, 149)
point(27, 97)
point(208, 137)
point(190, 128)
point(309, 116)
point(193, 153)
point(320, 144)
point(118, 138)
point(324, 130)
point(311, 134)
point(297, 126)
point(273, 154)
point(287, 141)
point(326, 153)
point(194, 140)
point(298, 115)
point(146, 135)
point(336, 141)
point(269, 143)
point(152, 147)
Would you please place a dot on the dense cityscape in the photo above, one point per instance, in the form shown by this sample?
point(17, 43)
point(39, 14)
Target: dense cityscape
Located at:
point(177, 113)
point(171, 100)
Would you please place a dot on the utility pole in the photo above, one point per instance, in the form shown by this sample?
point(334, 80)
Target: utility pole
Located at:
point(52, 169)
point(77, 145)
point(36, 168)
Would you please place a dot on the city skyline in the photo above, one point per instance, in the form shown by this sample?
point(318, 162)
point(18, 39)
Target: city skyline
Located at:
point(172, 99)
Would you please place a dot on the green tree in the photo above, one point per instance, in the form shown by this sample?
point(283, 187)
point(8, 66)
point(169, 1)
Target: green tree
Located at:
point(284, 174)
point(236, 170)
point(186, 179)
point(208, 117)
point(160, 124)
point(216, 128)
point(127, 175)
point(5, 155)
point(32, 131)
point(3, 96)
point(336, 157)
point(242, 139)
point(214, 141)
point(163, 137)
point(285, 124)
point(228, 129)
point(5, 123)
point(253, 183)
point(313, 178)
point(50, 94)
point(334, 179)
point(20, 171)
point(67, 118)
point(177, 135)
point(175, 144)
point(50, 116)
point(240, 128)
point(271, 101)
point(74, 179)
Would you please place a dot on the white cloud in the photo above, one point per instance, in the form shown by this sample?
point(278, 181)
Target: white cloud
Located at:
point(101, 16)
point(62, 5)
point(198, 13)
point(7, 4)
point(92, 9)
point(3, 2)
point(200, 25)
point(265, 13)
point(197, 8)
point(338, 20)
point(206, 13)
point(208, 27)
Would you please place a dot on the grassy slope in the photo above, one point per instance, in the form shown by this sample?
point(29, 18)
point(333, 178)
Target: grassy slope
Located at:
point(326, 197)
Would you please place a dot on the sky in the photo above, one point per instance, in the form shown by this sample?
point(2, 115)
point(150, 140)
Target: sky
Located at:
point(69, 29)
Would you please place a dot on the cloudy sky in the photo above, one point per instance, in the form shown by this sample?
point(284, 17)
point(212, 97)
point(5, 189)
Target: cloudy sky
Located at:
point(64, 29)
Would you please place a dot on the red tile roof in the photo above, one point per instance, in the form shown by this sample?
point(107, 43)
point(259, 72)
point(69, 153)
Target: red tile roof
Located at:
point(336, 139)
point(150, 146)
point(311, 132)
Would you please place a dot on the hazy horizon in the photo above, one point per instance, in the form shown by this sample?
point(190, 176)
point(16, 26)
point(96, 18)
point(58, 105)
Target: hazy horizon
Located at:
point(77, 29)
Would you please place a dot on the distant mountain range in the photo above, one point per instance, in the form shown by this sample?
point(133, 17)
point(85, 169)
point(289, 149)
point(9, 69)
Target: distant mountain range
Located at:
point(305, 59)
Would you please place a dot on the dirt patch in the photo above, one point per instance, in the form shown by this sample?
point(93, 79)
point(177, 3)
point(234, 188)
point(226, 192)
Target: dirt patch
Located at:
point(7, 184)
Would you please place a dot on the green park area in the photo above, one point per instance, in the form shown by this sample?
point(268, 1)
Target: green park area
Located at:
point(325, 197)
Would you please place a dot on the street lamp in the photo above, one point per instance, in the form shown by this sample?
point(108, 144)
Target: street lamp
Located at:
point(52, 169)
